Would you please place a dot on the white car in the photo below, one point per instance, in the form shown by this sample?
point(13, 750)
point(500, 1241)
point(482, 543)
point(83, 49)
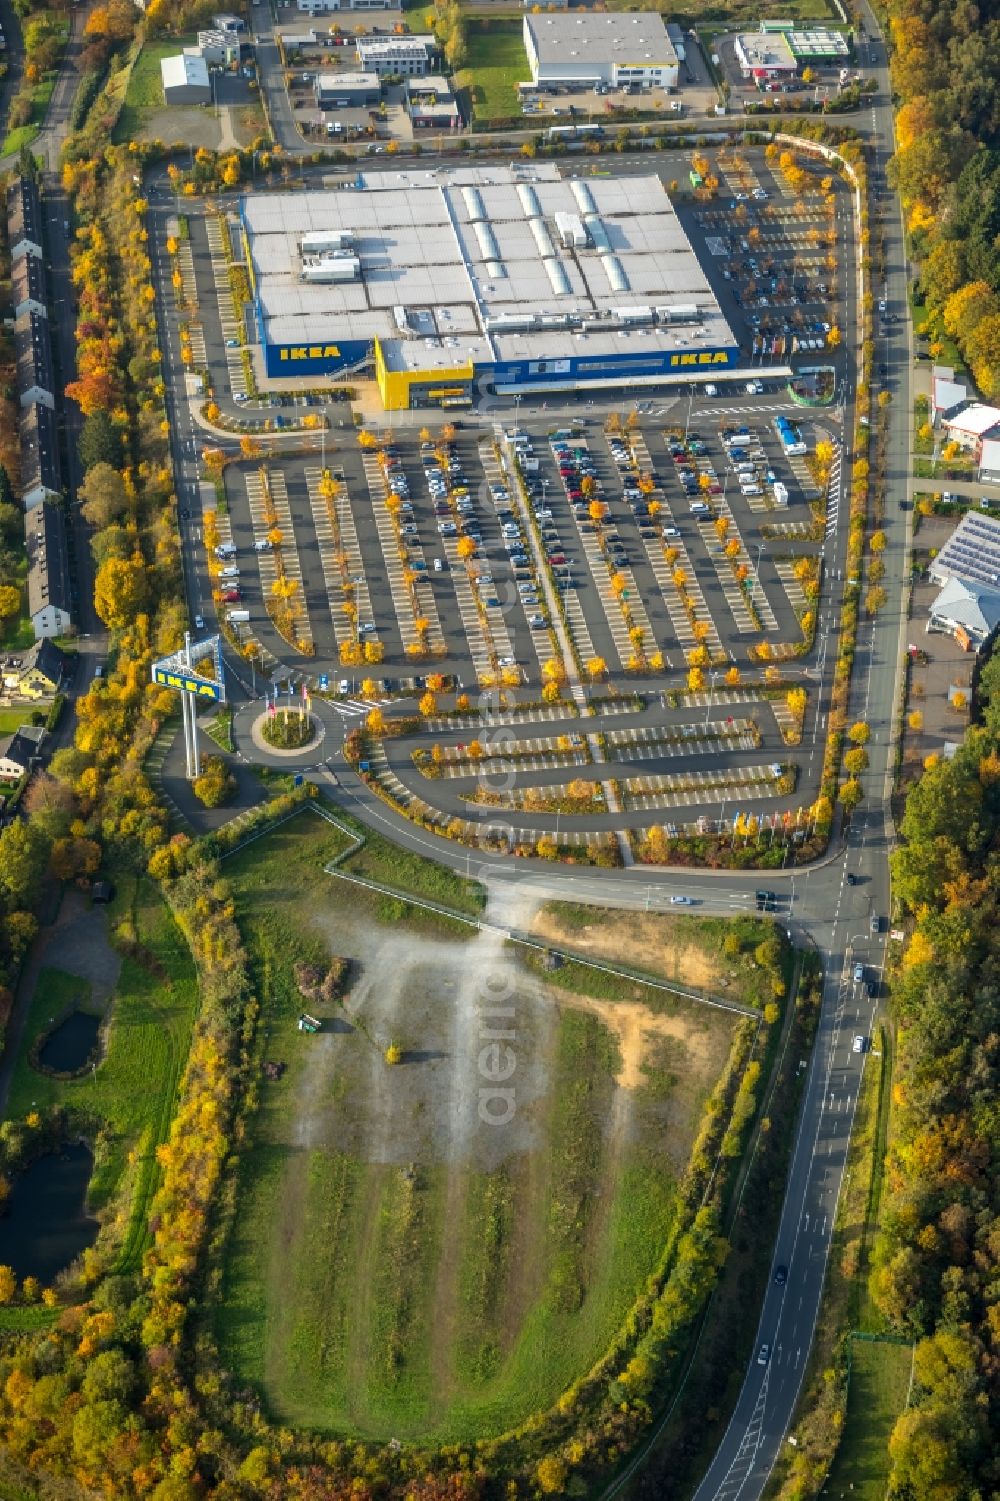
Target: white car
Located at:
point(680, 901)
point(232, 572)
point(199, 622)
point(858, 1045)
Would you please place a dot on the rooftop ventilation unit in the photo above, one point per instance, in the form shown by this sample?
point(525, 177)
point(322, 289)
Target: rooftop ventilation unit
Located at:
point(331, 268)
point(572, 230)
point(509, 323)
point(319, 240)
point(634, 315)
point(679, 312)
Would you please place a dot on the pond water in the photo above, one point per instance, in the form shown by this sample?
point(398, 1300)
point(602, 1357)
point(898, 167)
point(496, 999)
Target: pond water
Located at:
point(46, 1225)
point(71, 1044)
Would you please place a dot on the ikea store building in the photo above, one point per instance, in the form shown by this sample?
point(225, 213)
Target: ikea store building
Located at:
point(448, 282)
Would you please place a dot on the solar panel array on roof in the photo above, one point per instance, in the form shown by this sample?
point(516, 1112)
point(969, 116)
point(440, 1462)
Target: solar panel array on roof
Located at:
point(972, 552)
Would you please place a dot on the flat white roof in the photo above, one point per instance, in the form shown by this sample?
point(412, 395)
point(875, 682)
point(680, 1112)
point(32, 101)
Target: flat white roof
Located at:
point(602, 36)
point(329, 83)
point(766, 51)
point(183, 69)
point(467, 250)
point(976, 419)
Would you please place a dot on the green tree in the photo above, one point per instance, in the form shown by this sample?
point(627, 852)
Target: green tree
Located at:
point(99, 442)
point(103, 495)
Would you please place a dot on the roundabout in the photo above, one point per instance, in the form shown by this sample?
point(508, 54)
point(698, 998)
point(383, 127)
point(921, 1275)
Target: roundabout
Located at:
point(303, 735)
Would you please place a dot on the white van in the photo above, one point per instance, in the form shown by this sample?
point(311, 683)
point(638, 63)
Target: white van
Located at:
point(750, 490)
point(226, 550)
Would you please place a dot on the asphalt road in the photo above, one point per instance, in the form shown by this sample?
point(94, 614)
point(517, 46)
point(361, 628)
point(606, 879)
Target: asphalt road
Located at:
point(766, 1406)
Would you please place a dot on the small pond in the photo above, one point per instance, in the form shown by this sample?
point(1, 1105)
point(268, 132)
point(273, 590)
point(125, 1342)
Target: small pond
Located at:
point(71, 1044)
point(46, 1225)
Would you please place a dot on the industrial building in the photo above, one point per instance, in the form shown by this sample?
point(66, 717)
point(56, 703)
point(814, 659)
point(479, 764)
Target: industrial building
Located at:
point(185, 79)
point(762, 56)
point(431, 104)
point(397, 56)
point(347, 90)
point(482, 277)
point(621, 49)
point(319, 7)
point(971, 553)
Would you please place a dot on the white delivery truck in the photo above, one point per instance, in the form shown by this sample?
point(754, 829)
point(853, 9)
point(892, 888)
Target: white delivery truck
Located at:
point(780, 493)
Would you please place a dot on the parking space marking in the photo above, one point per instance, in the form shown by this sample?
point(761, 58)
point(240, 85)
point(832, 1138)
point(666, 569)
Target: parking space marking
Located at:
point(693, 788)
point(261, 485)
point(228, 319)
point(398, 590)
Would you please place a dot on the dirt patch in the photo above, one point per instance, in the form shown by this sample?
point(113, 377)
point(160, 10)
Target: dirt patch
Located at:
point(450, 1006)
point(632, 1025)
point(652, 943)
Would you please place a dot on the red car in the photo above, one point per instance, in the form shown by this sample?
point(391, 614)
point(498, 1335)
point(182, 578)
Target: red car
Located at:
point(231, 596)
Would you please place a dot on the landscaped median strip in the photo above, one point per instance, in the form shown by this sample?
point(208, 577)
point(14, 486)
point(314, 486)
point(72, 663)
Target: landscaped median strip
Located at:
point(684, 788)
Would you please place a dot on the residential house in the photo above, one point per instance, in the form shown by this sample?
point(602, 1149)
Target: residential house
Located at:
point(41, 478)
point(42, 670)
point(50, 598)
point(18, 752)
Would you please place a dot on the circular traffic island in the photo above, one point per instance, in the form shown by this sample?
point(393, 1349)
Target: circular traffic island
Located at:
point(288, 730)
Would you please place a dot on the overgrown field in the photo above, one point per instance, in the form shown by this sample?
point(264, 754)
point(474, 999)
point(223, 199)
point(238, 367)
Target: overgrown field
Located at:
point(735, 958)
point(436, 1248)
point(130, 1096)
point(497, 63)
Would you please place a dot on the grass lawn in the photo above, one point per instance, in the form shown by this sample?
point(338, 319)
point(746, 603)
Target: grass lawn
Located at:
point(379, 1283)
point(12, 719)
point(41, 94)
point(133, 1089)
point(497, 63)
point(880, 1380)
point(949, 354)
point(145, 85)
point(379, 860)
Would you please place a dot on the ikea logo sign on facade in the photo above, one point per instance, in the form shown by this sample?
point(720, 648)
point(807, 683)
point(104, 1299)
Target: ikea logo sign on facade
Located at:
point(702, 357)
point(187, 683)
point(309, 352)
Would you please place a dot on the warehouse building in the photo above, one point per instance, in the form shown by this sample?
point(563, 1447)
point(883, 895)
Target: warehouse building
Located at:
point(185, 79)
point(347, 90)
point(621, 49)
point(482, 278)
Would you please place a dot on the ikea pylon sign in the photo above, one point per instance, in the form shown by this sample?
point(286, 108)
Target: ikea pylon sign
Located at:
point(187, 682)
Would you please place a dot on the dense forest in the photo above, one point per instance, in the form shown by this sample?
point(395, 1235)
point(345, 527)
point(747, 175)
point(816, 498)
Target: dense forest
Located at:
point(946, 73)
point(936, 1262)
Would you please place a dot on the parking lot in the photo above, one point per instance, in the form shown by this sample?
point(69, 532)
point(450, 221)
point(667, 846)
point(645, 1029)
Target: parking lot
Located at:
point(674, 546)
point(664, 552)
point(775, 256)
